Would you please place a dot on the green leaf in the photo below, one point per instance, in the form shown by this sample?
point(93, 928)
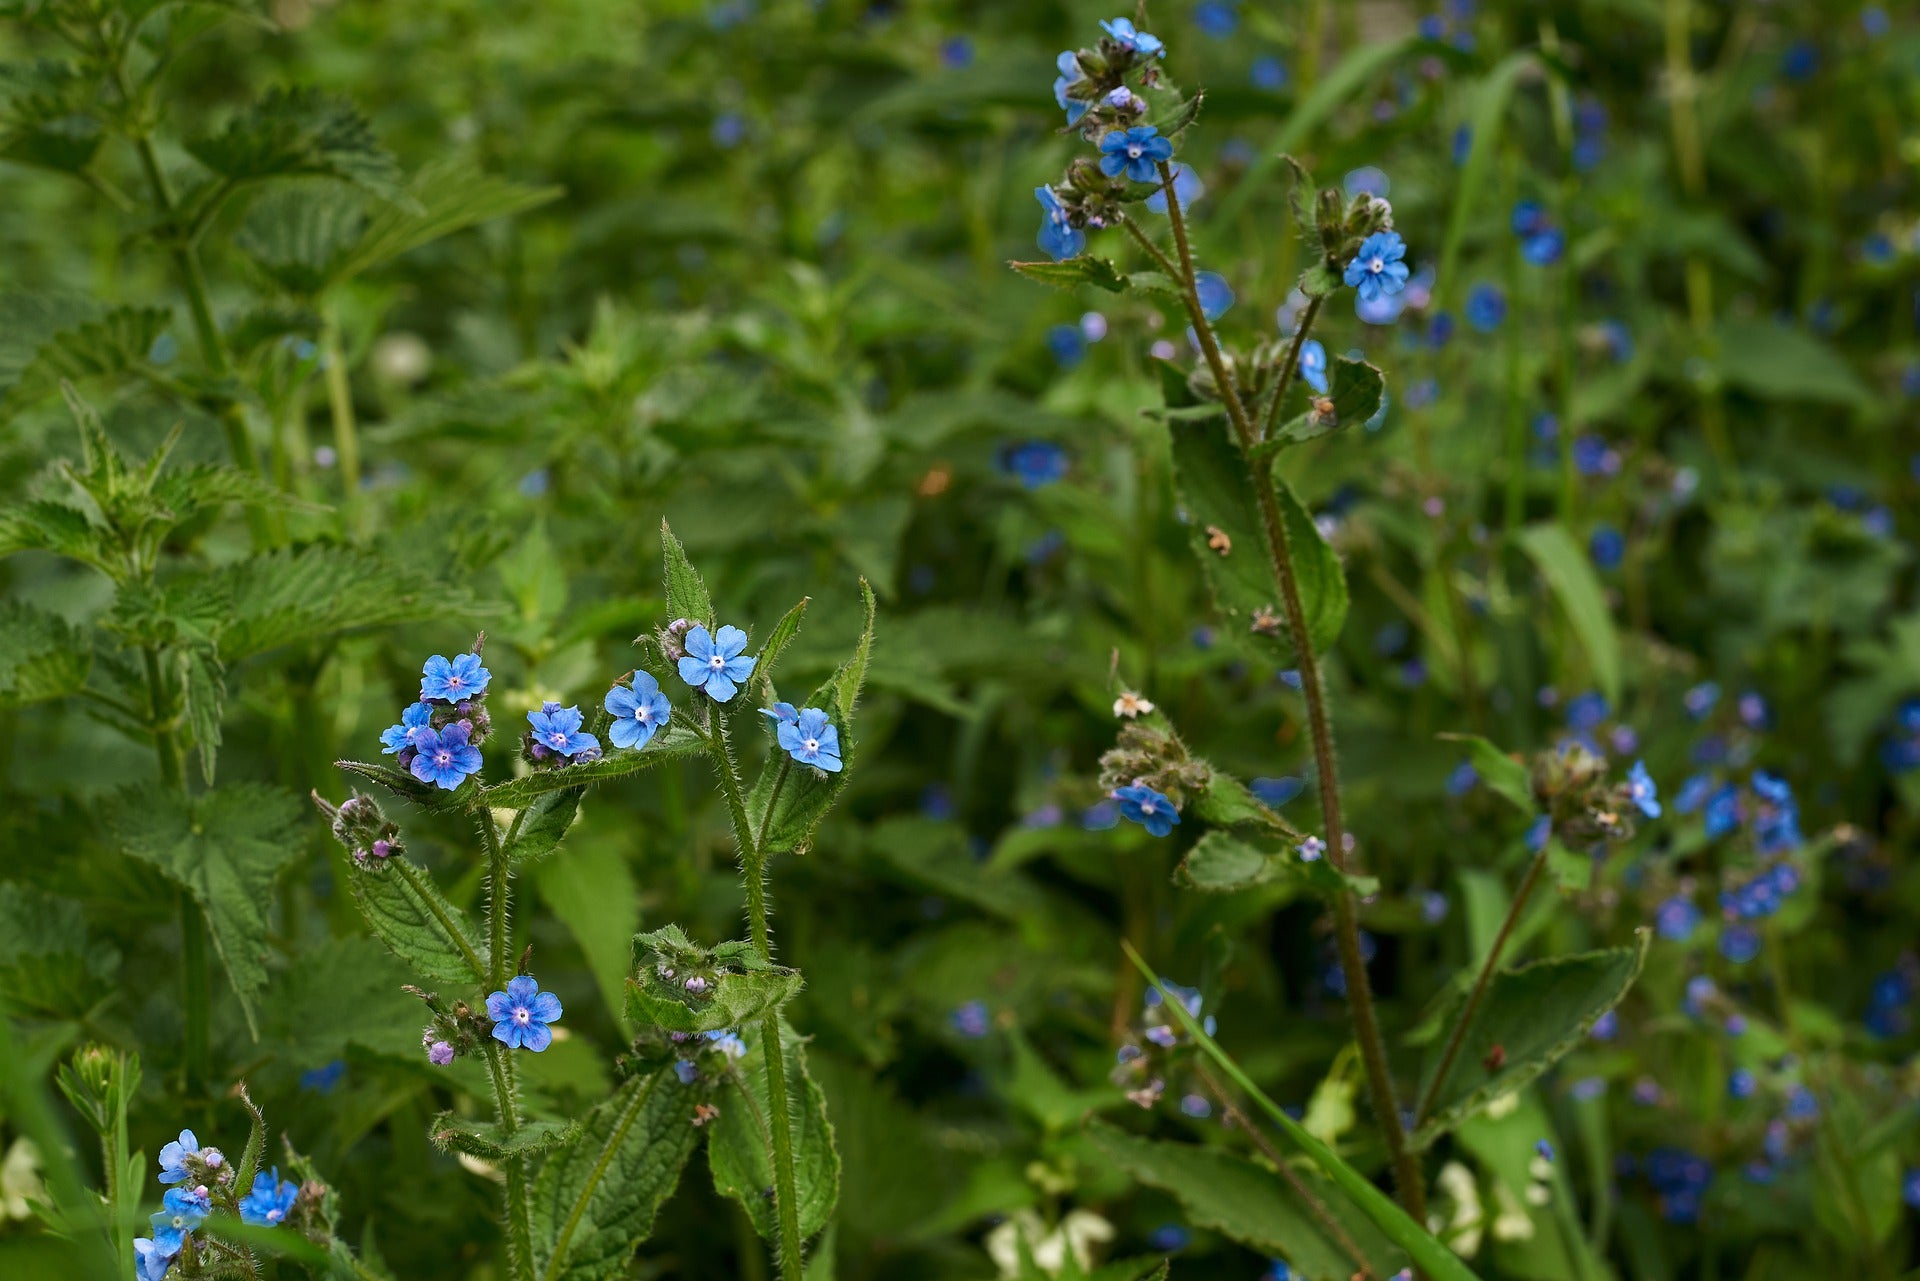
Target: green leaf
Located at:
point(1775, 362)
point(342, 994)
point(739, 1143)
point(1500, 772)
point(206, 689)
point(399, 782)
point(1491, 96)
point(301, 132)
point(1227, 802)
point(446, 196)
point(117, 343)
point(1571, 576)
point(298, 233)
point(48, 963)
point(1221, 863)
point(592, 892)
point(1536, 1014)
point(671, 743)
point(407, 912)
point(739, 985)
point(595, 1201)
point(1227, 535)
point(490, 1141)
point(1180, 116)
point(43, 525)
point(686, 593)
point(48, 121)
point(543, 824)
point(298, 596)
point(1427, 1253)
point(225, 848)
point(789, 799)
point(1355, 390)
point(770, 650)
point(1074, 272)
point(42, 655)
point(1252, 1204)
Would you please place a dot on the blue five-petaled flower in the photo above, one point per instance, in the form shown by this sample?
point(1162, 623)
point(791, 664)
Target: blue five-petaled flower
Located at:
point(449, 682)
point(1059, 237)
point(1128, 37)
point(1313, 365)
point(521, 1013)
point(270, 1201)
point(173, 1158)
point(1134, 152)
point(810, 738)
point(1641, 791)
point(1377, 270)
point(1152, 810)
point(150, 1259)
point(714, 663)
point(557, 729)
point(180, 1213)
point(638, 712)
point(398, 737)
point(1068, 64)
point(445, 756)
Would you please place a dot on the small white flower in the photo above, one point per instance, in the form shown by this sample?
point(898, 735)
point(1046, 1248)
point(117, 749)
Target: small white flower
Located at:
point(1130, 705)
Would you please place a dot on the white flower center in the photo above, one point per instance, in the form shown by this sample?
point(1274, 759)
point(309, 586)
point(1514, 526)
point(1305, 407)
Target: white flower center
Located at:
point(716, 662)
point(1378, 264)
point(455, 682)
point(1146, 807)
point(557, 739)
point(1133, 151)
point(523, 1016)
point(811, 745)
point(443, 757)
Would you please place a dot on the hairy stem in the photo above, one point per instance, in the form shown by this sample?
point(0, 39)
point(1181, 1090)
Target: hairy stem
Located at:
point(519, 1208)
point(1291, 368)
point(1487, 967)
point(637, 1104)
point(1366, 1023)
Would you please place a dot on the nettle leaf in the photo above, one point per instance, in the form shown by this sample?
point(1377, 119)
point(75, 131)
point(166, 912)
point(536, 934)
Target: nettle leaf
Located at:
point(1227, 535)
point(225, 848)
point(595, 1201)
point(736, 986)
point(445, 197)
point(48, 963)
point(406, 911)
point(44, 525)
point(671, 743)
point(301, 132)
point(1500, 772)
point(47, 122)
point(1255, 1206)
point(1084, 270)
point(206, 689)
point(490, 1141)
point(292, 596)
point(789, 799)
point(1570, 574)
point(342, 993)
point(115, 344)
point(1775, 362)
point(1220, 863)
point(299, 233)
point(740, 1144)
point(42, 656)
point(686, 592)
point(539, 829)
point(1355, 388)
point(1536, 1014)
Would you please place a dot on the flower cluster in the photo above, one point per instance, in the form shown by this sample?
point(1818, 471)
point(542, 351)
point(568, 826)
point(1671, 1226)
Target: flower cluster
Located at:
point(1145, 1060)
point(438, 738)
point(1541, 242)
point(554, 737)
point(359, 824)
point(806, 735)
point(1680, 1179)
point(1900, 750)
point(1147, 771)
point(1584, 805)
point(201, 1180)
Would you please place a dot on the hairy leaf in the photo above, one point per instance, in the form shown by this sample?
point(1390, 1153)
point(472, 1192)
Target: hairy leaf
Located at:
point(734, 985)
point(1084, 270)
point(445, 197)
point(490, 1141)
point(407, 912)
point(49, 964)
point(300, 132)
point(671, 743)
point(686, 593)
point(740, 1144)
point(541, 826)
point(42, 656)
point(770, 650)
point(116, 343)
point(1499, 771)
point(290, 596)
point(1221, 863)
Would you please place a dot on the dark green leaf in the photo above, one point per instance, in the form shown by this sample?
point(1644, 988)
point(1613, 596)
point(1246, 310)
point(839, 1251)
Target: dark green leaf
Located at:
point(206, 688)
point(1074, 272)
point(42, 656)
point(1221, 863)
point(686, 593)
point(399, 782)
point(1775, 362)
point(407, 912)
point(671, 743)
point(115, 344)
point(301, 132)
point(445, 197)
point(1355, 389)
point(738, 986)
point(1499, 771)
point(739, 1143)
point(1571, 576)
point(490, 1141)
point(289, 597)
point(542, 825)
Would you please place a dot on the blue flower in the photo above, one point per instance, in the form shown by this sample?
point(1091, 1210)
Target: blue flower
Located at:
point(1693, 793)
point(1034, 463)
point(1068, 344)
point(151, 1260)
point(811, 739)
point(1722, 811)
point(270, 1201)
point(956, 53)
point(1268, 73)
point(1700, 699)
point(400, 736)
point(557, 729)
point(781, 713)
point(971, 1019)
point(1377, 270)
point(173, 1158)
point(1187, 188)
point(1676, 919)
point(1606, 1027)
point(521, 1013)
point(1127, 37)
point(1058, 237)
point(1215, 18)
point(180, 1213)
point(1133, 152)
point(1586, 711)
point(714, 663)
point(1275, 792)
point(1216, 295)
point(1486, 307)
point(1141, 804)
point(1545, 248)
point(1739, 943)
point(1608, 547)
point(1641, 791)
point(638, 713)
point(1313, 365)
point(1070, 74)
point(445, 757)
point(1742, 1084)
point(449, 682)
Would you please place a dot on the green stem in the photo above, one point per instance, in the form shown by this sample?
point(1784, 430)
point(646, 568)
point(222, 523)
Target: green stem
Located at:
point(411, 875)
point(346, 434)
point(519, 1208)
point(1291, 368)
point(499, 901)
point(196, 976)
point(628, 1114)
point(1366, 1023)
point(1480, 983)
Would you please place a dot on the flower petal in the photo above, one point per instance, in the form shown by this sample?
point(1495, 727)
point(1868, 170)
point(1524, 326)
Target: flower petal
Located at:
point(546, 1007)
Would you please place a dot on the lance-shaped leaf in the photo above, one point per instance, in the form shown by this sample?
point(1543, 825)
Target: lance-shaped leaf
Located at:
point(116, 343)
point(1222, 863)
point(400, 783)
point(490, 1141)
point(539, 829)
point(740, 1142)
point(1326, 1238)
point(761, 682)
point(407, 912)
point(789, 799)
point(1228, 536)
point(671, 743)
point(224, 848)
point(1084, 270)
point(679, 986)
point(1499, 771)
point(301, 132)
point(42, 656)
point(1570, 574)
point(595, 1201)
point(1535, 1014)
point(686, 591)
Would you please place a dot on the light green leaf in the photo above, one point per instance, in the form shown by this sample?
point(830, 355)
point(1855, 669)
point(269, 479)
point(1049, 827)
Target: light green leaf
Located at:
point(1572, 579)
point(1221, 863)
point(1775, 362)
point(671, 743)
point(298, 233)
point(301, 132)
point(738, 986)
point(540, 828)
point(48, 963)
point(42, 656)
point(116, 343)
point(407, 912)
point(593, 893)
point(770, 650)
point(1536, 1014)
point(1491, 97)
point(490, 1141)
point(342, 993)
point(1500, 772)
point(1252, 1204)
point(298, 596)
point(686, 593)
point(1074, 272)
point(445, 197)
point(595, 1201)
point(739, 1143)
point(225, 848)
point(206, 688)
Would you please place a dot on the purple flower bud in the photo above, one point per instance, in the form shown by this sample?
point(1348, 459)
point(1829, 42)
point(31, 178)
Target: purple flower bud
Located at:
point(440, 1054)
point(382, 849)
point(696, 985)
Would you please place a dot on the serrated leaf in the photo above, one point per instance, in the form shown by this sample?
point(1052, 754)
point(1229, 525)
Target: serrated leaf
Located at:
point(399, 782)
point(225, 848)
point(206, 689)
point(1536, 1014)
point(445, 197)
point(42, 656)
point(739, 1143)
point(686, 593)
point(737, 986)
point(770, 650)
point(1227, 802)
point(407, 912)
point(671, 743)
point(789, 799)
point(293, 596)
point(49, 965)
point(1221, 863)
point(1252, 1204)
point(1074, 272)
point(490, 1141)
point(299, 233)
point(301, 132)
point(116, 343)
point(48, 123)
point(1500, 772)
point(47, 526)
point(540, 828)
point(1570, 575)
point(595, 1201)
